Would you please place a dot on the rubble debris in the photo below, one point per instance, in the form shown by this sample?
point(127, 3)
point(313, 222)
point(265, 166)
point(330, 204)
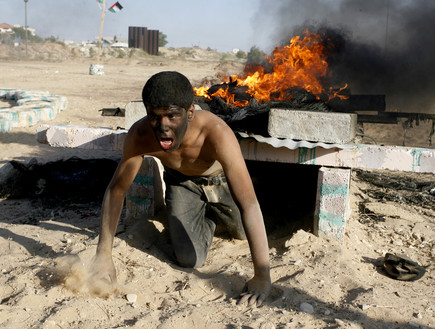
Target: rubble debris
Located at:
point(400, 187)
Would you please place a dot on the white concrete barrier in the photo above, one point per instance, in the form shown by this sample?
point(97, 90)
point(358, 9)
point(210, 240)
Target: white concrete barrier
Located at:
point(362, 156)
point(145, 196)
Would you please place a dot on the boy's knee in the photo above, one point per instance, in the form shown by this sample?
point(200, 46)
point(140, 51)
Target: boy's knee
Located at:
point(190, 259)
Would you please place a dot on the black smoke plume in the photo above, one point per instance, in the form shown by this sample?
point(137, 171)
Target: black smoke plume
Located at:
point(377, 47)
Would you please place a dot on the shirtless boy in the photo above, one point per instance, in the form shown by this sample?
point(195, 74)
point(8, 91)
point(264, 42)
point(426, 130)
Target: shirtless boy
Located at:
point(206, 182)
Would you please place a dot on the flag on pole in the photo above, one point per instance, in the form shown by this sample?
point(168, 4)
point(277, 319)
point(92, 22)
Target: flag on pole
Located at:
point(100, 2)
point(116, 7)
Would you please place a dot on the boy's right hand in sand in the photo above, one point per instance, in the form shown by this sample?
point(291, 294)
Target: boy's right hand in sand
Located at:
point(102, 266)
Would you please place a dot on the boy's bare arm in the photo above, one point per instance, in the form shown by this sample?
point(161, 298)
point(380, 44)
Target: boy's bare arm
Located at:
point(114, 199)
point(230, 156)
point(111, 211)
point(258, 288)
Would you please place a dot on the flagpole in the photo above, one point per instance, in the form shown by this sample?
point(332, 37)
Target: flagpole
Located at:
point(101, 30)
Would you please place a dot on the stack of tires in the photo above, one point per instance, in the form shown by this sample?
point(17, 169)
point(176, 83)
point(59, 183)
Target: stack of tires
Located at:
point(30, 108)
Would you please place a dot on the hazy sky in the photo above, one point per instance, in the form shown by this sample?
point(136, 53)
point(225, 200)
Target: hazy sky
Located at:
point(222, 25)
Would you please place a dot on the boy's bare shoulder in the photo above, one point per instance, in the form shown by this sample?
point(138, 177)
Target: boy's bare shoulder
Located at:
point(215, 129)
point(140, 128)
point(210, 120)
point(140, 138)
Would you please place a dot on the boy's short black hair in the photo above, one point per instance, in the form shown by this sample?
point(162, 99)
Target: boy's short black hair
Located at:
point(167, 88)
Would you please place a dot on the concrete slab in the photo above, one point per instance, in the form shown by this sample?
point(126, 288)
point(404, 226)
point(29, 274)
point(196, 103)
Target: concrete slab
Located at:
point(398, 158)
point(81, 137)
point(312, 126)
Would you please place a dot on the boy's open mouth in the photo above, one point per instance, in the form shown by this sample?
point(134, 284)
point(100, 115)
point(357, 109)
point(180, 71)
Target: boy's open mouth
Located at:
point(166, 143)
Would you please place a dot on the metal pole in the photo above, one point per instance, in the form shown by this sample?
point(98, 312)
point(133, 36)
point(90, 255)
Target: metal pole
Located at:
point(25, 20)
point(101, 30)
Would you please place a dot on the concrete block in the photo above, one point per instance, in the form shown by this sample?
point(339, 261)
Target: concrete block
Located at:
point(81, 137)
point(96, 69)
point(134, 111)
point(312, 126)
point(146, 194)
point(332, 203)
point(41, 134)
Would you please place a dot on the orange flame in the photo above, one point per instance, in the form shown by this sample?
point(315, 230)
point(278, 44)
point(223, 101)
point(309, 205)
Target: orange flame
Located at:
point(300, 64)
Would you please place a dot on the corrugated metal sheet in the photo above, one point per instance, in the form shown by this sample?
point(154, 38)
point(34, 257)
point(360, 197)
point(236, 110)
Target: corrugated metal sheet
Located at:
point(293, 144)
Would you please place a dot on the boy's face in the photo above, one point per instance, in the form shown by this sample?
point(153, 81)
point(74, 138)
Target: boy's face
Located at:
point(169, 125)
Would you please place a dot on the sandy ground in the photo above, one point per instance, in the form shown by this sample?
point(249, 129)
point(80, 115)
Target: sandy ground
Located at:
point(46, 247)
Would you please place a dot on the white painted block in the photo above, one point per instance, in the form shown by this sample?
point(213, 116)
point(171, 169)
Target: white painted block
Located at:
point(146, 194)
point(332, 203)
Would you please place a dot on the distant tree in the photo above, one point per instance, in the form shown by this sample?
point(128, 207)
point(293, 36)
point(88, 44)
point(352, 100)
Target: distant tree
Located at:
point(162, 39)
point(51, 39)
point(20, 32)
point(241, 54)
point(55, 40)
point(256, 56)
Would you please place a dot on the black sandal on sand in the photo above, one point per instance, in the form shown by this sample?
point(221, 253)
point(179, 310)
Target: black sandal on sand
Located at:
point(403, 268)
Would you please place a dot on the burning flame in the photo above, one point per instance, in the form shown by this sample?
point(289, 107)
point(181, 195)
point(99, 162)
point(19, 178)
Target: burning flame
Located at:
point(300, 64)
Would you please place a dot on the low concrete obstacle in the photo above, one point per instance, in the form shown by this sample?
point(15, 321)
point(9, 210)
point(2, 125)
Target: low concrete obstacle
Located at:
point(332, 203)
point(31, 107)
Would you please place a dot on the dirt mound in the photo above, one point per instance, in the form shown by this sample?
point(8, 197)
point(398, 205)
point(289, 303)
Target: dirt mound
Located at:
point(45, 51)
point(60, 52)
